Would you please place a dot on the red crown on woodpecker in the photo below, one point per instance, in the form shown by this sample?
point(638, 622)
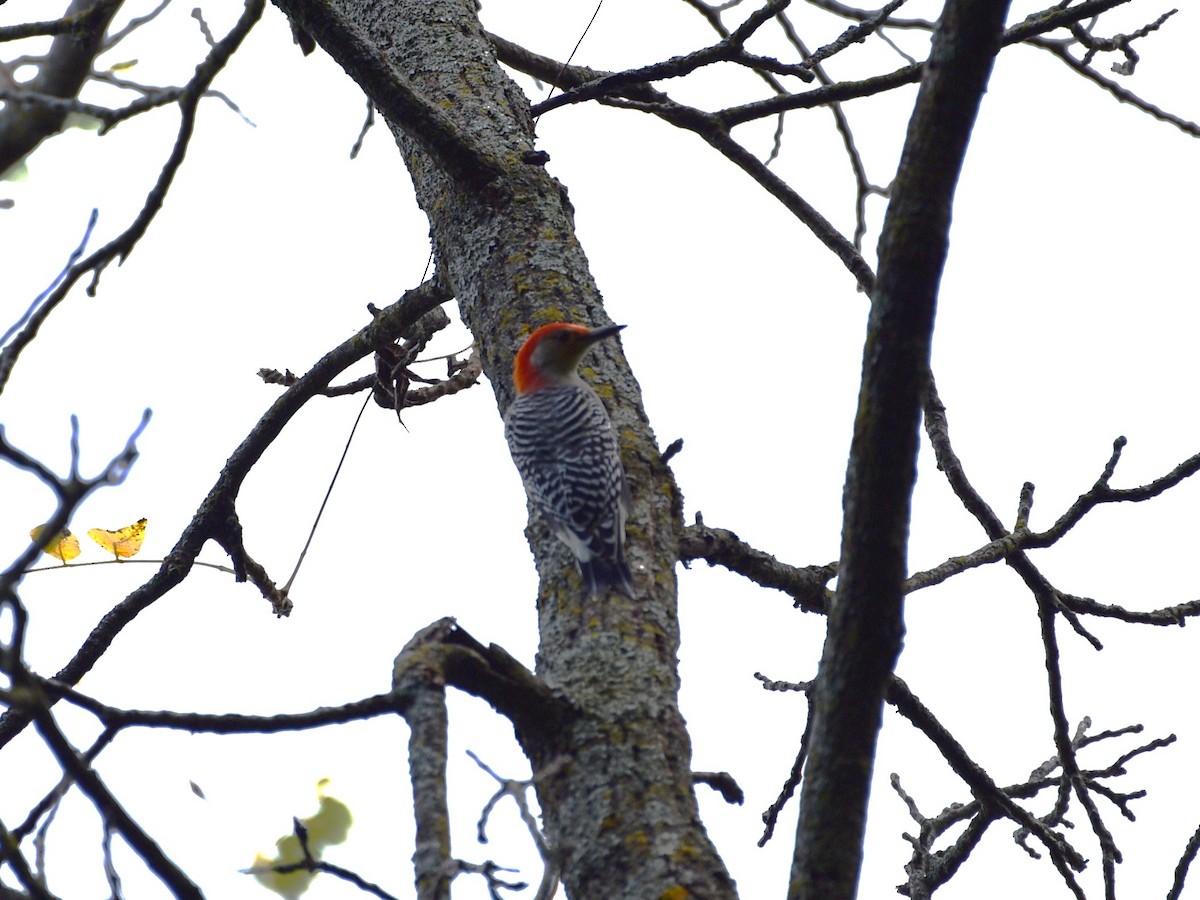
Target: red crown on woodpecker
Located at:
point(552, 353)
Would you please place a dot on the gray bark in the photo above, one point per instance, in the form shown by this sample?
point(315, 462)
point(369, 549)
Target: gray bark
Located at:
point(622, 814)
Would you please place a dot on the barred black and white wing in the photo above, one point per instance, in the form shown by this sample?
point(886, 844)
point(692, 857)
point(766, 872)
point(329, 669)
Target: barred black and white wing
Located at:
point(564, 447)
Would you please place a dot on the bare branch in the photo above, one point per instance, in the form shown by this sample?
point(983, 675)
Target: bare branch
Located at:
point(1185, 862)
point(1038, 24)
point(716, 546)
point(61, 73)
point(863, 637)
point(617, 82)
point(120, 247)
point(10, 853)
point(518, 789)
point(1064, 857)
point(724, 784)
point(115, 718)
point(862, 15)
point(212, 518)
point(113, 814)
point(70, 491)
point(49, 803)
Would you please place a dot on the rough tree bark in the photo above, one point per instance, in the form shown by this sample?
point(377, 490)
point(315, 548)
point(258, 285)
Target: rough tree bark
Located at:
point(622, 813)
point(866, 620)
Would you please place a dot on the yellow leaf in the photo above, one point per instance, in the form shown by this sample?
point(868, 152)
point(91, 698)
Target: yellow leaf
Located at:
point(331, 824)
point(288, 885)
point(123, 66)
point(122, 543)
point(64, 545)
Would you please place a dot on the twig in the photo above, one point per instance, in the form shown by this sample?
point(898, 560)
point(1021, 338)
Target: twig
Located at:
point(121, 246)
point(212, 518)
point(113, 814)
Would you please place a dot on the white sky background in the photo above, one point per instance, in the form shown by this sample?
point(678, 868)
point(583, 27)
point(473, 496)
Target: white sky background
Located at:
point(1067, 317)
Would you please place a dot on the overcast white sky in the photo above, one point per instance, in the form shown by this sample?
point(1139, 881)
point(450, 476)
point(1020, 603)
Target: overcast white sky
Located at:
point(1067, 317)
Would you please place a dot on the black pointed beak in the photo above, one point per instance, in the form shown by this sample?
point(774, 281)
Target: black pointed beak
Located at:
point(599, 334)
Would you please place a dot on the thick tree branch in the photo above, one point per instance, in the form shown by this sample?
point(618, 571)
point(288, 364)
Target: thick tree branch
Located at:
point(439, 655)
point(866, 621)
point(394, 95)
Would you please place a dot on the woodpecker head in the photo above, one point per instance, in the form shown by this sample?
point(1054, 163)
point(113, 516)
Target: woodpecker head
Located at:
point(552, 353)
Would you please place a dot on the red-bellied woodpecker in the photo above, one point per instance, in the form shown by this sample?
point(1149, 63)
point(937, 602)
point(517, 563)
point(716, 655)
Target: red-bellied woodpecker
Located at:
point(563, 444)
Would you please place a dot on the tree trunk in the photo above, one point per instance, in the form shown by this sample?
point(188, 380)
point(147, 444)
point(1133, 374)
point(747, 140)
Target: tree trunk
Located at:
point(621, 812)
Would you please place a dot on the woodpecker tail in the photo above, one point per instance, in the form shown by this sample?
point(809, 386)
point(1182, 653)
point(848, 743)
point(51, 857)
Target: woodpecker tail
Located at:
point(604, 575)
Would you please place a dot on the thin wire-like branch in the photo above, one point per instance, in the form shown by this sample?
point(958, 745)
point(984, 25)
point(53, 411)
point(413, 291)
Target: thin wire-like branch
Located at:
point(325, 500)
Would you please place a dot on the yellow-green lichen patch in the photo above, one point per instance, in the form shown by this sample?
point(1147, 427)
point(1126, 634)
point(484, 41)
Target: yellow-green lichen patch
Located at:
point(637, 842)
